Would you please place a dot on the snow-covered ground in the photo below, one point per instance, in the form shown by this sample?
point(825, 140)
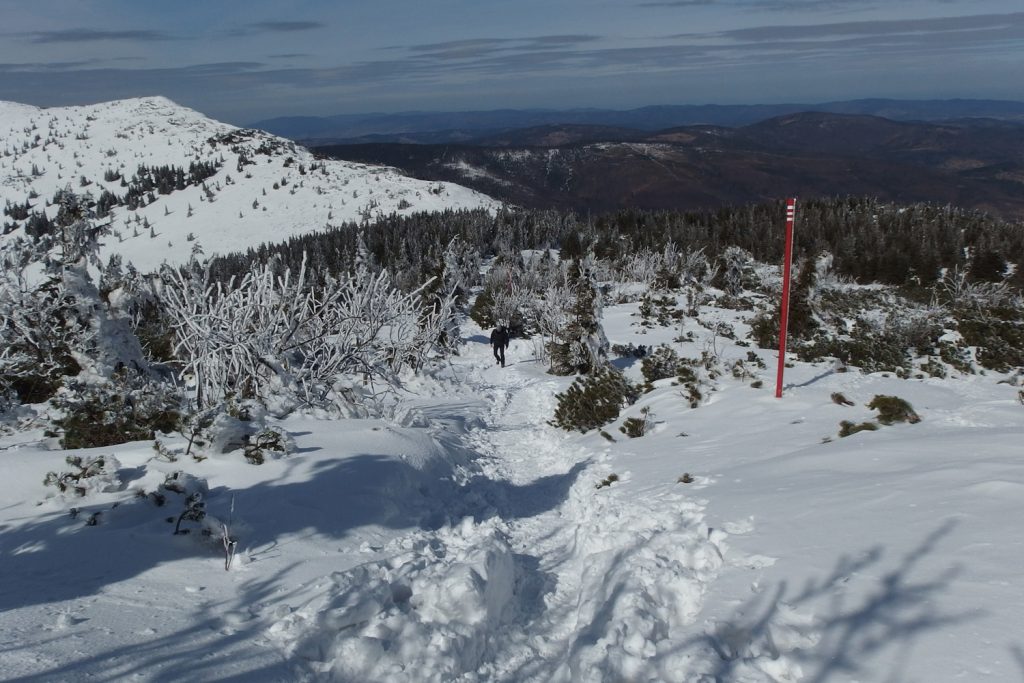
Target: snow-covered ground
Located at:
point(285, 192)
point(468, 540)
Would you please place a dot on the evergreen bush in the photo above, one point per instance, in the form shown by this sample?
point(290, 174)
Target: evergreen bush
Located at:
point(594, 400)
point(268, 442)
point(846, 428)
point(661, 363)
point(635, 427)
point(892, 409)
point(89, 473)
point(998, 334)
point(116, 412)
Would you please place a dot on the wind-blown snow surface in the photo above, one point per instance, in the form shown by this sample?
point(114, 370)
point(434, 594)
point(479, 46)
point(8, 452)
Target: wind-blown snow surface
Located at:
point(43, 150)
point(467, 540)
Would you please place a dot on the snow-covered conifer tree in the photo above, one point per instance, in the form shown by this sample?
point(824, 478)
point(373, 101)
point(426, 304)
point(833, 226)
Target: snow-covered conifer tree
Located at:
point(581, 346)
point(53, 322)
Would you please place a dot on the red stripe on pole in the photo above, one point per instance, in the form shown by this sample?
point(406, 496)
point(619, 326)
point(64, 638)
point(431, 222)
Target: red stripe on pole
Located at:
point(784, 307)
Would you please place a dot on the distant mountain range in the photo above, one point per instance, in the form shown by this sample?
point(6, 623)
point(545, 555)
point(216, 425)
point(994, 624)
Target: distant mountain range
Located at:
point(470, 126)
point(969, 162)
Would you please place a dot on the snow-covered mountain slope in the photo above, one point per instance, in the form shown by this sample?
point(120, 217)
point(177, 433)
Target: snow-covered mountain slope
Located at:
point(264, 188)
point(467, 540)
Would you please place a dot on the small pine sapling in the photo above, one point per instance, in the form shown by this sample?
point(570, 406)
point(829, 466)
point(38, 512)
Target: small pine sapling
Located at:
point(100, 471)
point(195, 511)
point(635, 427)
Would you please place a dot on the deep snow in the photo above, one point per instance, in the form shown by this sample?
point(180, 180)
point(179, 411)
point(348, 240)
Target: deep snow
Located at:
point(467, 540)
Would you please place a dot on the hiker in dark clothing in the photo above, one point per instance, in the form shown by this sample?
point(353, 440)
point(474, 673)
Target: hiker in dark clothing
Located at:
point(499, 342)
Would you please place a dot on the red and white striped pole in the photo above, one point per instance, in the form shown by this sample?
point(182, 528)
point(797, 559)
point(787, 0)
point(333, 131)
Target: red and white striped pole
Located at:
point(784, 307)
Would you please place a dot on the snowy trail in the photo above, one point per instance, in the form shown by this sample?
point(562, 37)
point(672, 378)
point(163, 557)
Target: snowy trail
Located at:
point(612, 583)
point(546, 578)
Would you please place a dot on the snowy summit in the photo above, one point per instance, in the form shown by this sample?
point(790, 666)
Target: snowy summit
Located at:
point(247, 187)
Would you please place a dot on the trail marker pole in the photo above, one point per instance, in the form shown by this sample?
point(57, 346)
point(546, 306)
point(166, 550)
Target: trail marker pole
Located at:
point(784, 307)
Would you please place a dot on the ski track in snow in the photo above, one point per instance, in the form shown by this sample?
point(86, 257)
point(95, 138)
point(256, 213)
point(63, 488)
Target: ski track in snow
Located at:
point(546, 577)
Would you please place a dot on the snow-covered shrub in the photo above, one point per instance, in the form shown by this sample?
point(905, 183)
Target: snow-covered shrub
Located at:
point(659, 311)
point(270, 334)
point(661, 363)
point(892, 409)
point(594, 400)
point(695, 268)
point(934, 368)
point(195, 511)
point(635, 427)
point(481, 312)
point(661, 270)
point(226, 431)
point(38, 327)
point(236, 426)
point(998, 334)
point(53, 321)
point(509, 305)
point(870, 351)
point(504, 299)
point(740, 370)
point(630, 350)
point(581, 346)
point(269, 442)
point(189, 489)
point(90, 473)
point(550, 312)
point(184, 484)
point(118, 411)
point(735, 265)
point(958, 358)
point(956, 290)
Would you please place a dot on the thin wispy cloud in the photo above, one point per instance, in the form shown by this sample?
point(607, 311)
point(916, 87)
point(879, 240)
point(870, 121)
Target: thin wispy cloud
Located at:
point(88, 35)
point(262, 27)
point(769, 5)
point(29, 67)
point(287, 26)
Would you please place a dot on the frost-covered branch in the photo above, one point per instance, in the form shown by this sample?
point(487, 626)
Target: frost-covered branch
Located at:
point(273, 332)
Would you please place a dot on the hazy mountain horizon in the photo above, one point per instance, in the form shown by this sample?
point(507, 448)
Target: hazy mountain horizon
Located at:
point(462, 125)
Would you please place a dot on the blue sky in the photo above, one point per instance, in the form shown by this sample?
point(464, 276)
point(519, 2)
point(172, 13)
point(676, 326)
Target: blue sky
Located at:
point(244, 61)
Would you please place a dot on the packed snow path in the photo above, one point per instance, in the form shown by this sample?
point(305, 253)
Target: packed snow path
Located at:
point(548, 576)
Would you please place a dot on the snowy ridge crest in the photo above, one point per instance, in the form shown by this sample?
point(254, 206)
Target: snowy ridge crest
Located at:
point(264, 189)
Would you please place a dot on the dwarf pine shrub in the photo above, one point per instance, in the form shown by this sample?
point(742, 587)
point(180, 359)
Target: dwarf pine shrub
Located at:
point(998, 334)
point(117, 412)
point(269, 442)
point(661, 363)
point(934, 368)
point(892, 409)
point(840, 399)
point(87, 473)
point(635, 427)
point(958, 358)
point(871, 352)
point(846, 428)
point(594, 400)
